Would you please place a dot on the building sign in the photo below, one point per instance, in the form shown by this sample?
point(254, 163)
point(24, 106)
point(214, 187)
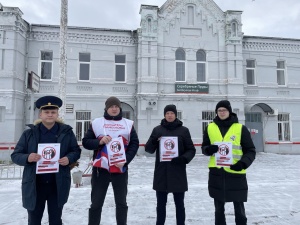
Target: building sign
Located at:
point(33, 82)
point(191, 88)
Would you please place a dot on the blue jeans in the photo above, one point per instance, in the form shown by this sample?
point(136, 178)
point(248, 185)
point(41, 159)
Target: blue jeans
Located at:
point(162, 198)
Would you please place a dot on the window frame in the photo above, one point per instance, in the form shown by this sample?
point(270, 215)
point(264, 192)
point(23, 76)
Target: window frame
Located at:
point(84, 63)
point(85, 124)
point(207, 117)
point(125, 69)
point(180, 114)
point(281, 69)
point(190, 15)
point(251, 69)
point(201, 62)
point(284, 127)
point(180, 62)
point(46, 61)
point(234, 29)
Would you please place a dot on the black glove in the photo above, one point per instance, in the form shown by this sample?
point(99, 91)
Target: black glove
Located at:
point(212, 149)
point(179, 160)
point(238, 166)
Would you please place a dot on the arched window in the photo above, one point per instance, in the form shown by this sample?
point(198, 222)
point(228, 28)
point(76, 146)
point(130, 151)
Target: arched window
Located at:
point(180, 64)
point(201, 66)
point(149, 25)
point(191, 15)
point(233, 29)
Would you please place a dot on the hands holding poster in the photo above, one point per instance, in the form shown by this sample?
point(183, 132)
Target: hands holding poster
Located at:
point(49, 158)
point(168, 148)
point(116, 151)
point(224, 155)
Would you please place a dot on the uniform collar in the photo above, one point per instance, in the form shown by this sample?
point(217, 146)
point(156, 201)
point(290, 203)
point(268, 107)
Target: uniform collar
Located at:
point(53, 129)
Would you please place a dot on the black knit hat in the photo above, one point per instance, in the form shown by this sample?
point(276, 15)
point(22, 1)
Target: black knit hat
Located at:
point(224, 104)
point(112, 101)
point(171, 108)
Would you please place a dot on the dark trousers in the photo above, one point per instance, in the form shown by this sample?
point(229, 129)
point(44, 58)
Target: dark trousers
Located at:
point(45, 192)
point(100, 182)
point(162, 198)
point(239, 212)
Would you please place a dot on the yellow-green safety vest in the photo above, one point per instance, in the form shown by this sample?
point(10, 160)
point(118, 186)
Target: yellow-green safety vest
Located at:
point(233, 135)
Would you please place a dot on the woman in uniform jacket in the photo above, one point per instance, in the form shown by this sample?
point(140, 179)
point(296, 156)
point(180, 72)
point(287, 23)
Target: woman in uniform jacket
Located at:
point(228, 184)
point(170, 176)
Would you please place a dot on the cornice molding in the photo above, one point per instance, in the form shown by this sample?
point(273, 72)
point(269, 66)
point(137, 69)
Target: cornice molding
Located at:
point(84, 38)
point(266, 46)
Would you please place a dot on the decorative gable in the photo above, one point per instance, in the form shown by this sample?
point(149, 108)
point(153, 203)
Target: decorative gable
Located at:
point(206, 12)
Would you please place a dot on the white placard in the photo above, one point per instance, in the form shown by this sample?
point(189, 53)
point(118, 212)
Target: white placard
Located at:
point(224, 155)
point(168, 148)
point(48, 163)
point(116, 152)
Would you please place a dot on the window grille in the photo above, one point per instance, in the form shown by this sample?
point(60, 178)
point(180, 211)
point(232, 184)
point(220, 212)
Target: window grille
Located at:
point(179, 115)
point(207, 117)
point(69, 108)
point(83, 120)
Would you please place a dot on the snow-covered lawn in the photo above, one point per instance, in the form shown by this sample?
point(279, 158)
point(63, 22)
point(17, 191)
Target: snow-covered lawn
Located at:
point(274, 195)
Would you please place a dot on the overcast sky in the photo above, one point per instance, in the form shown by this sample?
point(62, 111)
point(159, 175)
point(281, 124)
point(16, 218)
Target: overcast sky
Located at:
point(274, 18)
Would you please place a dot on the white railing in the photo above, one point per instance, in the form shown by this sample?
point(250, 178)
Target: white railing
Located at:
point(8, 170)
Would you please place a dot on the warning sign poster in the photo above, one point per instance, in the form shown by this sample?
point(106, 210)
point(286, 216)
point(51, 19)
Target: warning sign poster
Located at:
point(49, 158)
point(224, 154)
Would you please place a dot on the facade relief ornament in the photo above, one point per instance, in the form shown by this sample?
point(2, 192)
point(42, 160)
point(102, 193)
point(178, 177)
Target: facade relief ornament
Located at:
point(85, 38)
point(265, 46)
point(207, 9)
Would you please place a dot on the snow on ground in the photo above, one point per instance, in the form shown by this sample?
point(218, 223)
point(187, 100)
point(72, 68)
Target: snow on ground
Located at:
point(274, 195)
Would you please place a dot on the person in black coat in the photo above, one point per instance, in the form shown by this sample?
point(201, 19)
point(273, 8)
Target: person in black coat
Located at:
point(53, 188)
point(228, 184)
point(170, 176)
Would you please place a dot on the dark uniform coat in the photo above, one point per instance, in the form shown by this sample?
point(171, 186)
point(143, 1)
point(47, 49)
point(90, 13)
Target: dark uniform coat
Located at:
point(170, 177)
point(28, 143)
point(222, 185)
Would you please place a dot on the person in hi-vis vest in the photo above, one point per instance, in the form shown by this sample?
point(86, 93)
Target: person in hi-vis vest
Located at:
point(228, 184)
point(103, 133)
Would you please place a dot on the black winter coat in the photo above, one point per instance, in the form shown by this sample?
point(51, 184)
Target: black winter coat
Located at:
point(28, 143)
point(170, 177)
point(224, 186)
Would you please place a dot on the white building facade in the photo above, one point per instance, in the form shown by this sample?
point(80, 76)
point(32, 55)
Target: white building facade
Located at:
point(189, 53)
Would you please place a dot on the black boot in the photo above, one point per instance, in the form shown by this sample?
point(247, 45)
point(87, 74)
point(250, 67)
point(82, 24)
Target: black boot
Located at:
point(121, 215)
point(160, 215)
point(180, 216)
point(94, 217)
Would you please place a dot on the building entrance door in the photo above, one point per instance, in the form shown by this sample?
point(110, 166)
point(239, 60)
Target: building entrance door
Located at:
point(254, 124)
